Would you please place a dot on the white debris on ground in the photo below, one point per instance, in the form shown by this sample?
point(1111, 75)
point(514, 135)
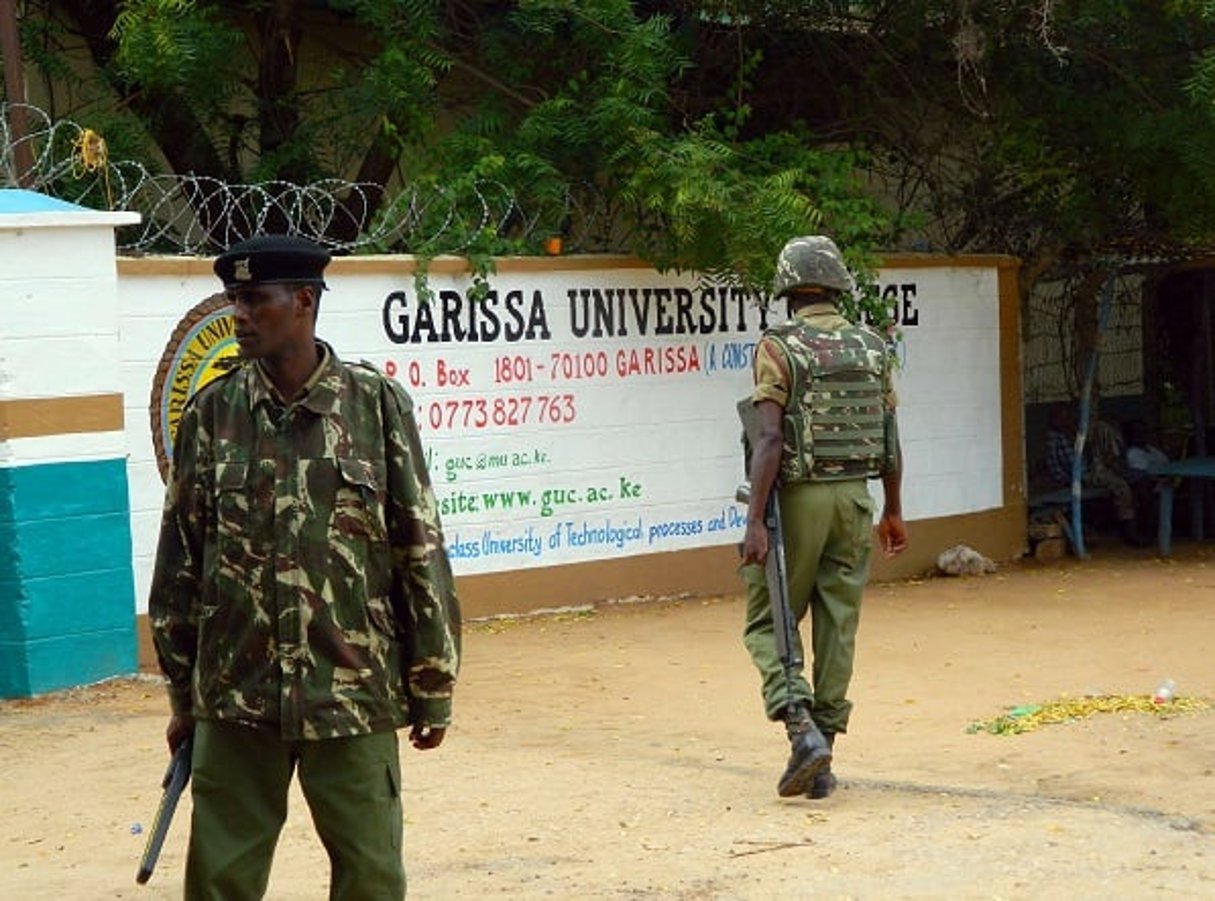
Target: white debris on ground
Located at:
point(961, 560)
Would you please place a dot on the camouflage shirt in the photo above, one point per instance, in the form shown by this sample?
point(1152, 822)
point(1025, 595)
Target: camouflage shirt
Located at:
point(301, 579)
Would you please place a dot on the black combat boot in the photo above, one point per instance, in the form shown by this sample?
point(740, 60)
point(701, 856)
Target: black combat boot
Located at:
point(824, 780)
point(810, 753)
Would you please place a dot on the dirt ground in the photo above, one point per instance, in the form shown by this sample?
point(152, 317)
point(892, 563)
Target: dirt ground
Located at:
point(622, 753)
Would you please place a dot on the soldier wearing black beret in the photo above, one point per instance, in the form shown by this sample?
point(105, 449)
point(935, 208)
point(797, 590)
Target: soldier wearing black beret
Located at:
point(302, 602)
point(272, 280)
point(272, 259)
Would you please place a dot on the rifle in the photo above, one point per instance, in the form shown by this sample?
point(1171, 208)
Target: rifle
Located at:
point(174, 784)
point(775, 570)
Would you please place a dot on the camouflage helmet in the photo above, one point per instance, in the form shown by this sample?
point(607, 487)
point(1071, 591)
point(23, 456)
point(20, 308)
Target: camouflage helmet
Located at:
point(811, 261)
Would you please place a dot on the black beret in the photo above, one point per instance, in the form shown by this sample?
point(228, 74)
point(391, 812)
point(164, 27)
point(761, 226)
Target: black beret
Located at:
point(272, 258)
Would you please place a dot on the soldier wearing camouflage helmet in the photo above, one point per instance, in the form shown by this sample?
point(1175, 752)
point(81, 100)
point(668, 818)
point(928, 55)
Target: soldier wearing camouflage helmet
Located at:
point(302, 603)
point(825, 405)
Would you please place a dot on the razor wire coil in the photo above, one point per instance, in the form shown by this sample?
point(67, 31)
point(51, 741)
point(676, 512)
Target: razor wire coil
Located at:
point(198, 215)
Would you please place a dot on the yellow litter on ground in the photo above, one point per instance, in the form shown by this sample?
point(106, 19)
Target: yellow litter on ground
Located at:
point(1029, 717)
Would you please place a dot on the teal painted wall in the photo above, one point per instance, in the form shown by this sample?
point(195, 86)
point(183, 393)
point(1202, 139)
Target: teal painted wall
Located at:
point(67, 592)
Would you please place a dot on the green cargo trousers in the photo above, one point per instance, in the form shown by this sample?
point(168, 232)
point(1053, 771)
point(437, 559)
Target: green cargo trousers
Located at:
point(828, 534)
point(240, 778)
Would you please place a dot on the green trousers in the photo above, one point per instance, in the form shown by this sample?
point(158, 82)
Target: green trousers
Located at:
point(240, 778)
point(828, 534)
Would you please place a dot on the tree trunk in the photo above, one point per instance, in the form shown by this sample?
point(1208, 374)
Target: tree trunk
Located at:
point(277, 74)
point(1086, 334)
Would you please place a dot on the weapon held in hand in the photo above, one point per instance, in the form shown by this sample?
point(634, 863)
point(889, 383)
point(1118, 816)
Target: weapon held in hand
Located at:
point(774, 565)
point(174, 784)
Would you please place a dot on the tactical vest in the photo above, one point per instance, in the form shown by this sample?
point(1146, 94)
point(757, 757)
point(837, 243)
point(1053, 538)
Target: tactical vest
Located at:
point(836, 425)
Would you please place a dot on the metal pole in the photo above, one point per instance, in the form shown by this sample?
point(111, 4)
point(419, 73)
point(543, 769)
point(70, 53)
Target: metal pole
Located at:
point(14, 92)
point(1086, 397)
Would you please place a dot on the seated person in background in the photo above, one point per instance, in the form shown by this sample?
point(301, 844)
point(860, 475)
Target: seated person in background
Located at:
point(1094, 473)
point(1141, 454)
point(1060, 444)
point(1106, 445)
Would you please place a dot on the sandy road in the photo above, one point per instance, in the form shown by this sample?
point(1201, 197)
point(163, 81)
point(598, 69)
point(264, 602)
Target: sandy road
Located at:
point(621, 754)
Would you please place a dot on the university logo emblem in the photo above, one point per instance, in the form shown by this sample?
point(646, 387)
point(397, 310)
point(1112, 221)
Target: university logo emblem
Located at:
point(201, 348)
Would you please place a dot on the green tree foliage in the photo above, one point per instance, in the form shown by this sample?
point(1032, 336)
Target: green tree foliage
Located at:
point(1033, 127)
point(567, 106)
point(179, 47)
point(709, 130)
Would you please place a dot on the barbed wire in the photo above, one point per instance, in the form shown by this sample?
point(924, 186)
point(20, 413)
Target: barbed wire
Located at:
point(193, 214)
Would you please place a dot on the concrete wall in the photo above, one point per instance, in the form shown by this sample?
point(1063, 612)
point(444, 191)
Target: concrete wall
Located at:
point(639, 478)
point(66, 588)
point(579, 425)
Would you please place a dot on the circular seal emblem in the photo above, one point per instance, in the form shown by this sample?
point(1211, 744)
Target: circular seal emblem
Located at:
point(202, 348)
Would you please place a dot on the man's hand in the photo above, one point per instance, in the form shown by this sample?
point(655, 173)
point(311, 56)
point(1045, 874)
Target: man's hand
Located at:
point(181, 727)
point(892, 534)
point(755, 543)
point(425, 737)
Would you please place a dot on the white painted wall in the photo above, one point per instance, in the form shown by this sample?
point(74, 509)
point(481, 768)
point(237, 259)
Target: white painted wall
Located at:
point(949, 393)
point(59, 331)
point(669, 441)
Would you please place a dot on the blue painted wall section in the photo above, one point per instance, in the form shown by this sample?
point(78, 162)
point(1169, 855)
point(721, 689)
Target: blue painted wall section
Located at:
point(67, 593)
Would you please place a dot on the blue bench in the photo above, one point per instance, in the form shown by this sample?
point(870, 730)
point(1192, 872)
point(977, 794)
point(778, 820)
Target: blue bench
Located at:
point(1171, 474)
point(1045, 503)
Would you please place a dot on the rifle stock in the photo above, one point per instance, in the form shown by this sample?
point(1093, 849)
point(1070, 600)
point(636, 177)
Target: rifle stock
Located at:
point(174, 784)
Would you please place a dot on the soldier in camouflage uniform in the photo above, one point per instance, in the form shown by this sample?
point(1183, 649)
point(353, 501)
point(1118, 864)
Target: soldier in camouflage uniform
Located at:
point(825, 405)
point(302, 603)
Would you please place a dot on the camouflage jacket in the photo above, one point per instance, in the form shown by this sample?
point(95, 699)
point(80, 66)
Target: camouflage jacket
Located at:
point(844, 426)
point(301, 579)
